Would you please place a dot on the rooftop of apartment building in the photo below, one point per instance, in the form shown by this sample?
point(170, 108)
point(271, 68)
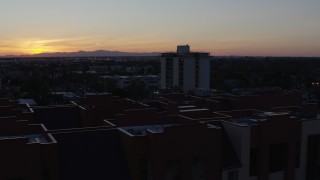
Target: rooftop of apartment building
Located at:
point(143, 130)
point(259, 91)
point(191, 54)
point(170, 119)
point(184, 51)
point(22, 131)
point(28, 138)
point(15, 124)
point(91, 153)
point(12, 107)
point(93, 101)
point(229, 158)
point(58, 116)
point(148, 117)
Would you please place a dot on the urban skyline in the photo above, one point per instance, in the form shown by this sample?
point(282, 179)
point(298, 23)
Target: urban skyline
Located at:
point(272, 28)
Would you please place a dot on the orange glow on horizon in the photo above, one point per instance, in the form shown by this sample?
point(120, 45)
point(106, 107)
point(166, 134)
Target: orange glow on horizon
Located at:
point(220, 47)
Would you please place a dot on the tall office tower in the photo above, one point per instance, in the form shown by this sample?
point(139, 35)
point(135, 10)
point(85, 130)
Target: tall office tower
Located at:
point(185, 70)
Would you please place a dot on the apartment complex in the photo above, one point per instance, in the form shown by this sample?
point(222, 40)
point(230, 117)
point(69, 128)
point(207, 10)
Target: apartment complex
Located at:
point(28, 151)
point(260, 134)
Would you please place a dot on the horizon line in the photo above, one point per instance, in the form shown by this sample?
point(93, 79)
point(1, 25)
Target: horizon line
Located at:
point(47, 54)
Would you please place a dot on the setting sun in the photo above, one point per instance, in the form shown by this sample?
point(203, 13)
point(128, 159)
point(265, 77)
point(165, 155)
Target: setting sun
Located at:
point(37, 50)
point(38, 46)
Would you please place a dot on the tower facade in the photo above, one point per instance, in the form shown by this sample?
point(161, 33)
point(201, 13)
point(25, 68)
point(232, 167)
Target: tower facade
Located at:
point(185, 70)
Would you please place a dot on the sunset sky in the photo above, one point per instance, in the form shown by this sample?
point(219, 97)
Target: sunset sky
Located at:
point(230, 27)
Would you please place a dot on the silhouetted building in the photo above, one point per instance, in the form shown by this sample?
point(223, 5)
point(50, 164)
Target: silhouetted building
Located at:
point(28, 151)
point(91, 153)
point(171, 151)
point(258, 134)
point(185, 70)
point(58, 116)
point(95, 108)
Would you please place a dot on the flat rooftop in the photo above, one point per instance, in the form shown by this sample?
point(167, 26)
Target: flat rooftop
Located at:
point(194, 110)
point(244, 121)
point(266, 114)
point(142, 130)
point(190, 54)
point(32, 138)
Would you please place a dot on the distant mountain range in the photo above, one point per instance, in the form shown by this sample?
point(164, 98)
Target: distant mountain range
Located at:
point(89, 54)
